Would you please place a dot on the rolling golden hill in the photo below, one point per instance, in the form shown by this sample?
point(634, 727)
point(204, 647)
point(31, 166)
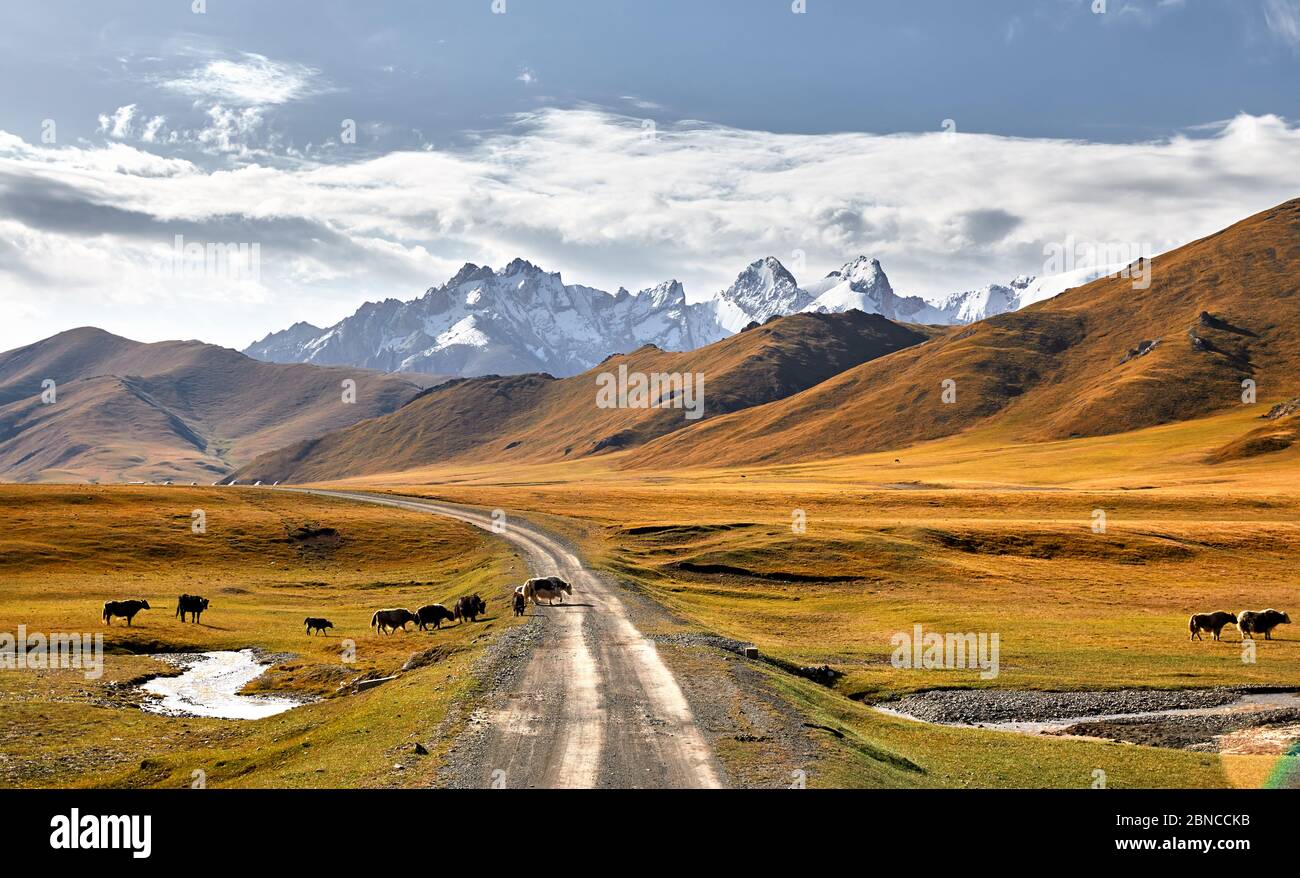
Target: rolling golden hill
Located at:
point(1103, 358)
point(537, 418)
point(1109, 357)
point(123, 410)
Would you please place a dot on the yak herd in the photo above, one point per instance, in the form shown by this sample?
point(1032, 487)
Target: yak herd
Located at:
point(552, 588)
point(387, 621)
point(1248, 622)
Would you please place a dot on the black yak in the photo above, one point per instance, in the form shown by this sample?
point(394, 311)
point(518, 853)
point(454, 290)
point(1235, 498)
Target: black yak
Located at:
point(314, 623)
point(433, 614)
point(388, 621)
point(123, 609)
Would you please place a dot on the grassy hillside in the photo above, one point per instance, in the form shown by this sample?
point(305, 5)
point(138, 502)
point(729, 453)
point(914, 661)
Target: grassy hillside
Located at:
point(527, 418)
point(1220, 310)
point(1110, 357)
point(126, 411)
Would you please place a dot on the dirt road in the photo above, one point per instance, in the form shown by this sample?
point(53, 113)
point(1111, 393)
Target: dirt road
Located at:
point(593, 704)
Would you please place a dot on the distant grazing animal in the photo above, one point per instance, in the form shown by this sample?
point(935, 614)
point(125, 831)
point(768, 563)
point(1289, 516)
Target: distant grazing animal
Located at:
point(471, 606)
point(392, 619)
point(433, 614)
point(1212, 622)
point(519, 602)
point(1254, 622)
point(316, 624)
point(124, 609)
point(546, 588)
point(192, 604)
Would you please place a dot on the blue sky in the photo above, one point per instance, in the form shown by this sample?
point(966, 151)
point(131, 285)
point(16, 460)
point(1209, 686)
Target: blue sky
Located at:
point(622, 143)
point(1046, 68)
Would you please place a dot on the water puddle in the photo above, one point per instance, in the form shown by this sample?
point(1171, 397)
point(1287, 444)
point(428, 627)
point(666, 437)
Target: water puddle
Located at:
point(209, 686)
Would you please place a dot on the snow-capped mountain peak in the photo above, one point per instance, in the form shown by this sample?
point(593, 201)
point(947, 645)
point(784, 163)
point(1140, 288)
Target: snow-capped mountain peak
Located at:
point(863, 284)
point(764, 289)
point(518, 319)
point(1024, 290)
point(864, 271)
point(525, 319)
point(666, 294)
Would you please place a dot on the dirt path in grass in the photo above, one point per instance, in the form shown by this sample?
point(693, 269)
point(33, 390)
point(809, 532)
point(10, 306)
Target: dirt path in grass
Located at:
point(593, 704)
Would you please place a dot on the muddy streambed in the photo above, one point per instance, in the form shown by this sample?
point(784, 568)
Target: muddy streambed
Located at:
point(209, 685)
point(1220, 720)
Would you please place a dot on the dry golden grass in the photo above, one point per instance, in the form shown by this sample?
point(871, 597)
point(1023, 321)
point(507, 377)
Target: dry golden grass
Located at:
point(972, 533)
point(64, 550)
point(1074, 608)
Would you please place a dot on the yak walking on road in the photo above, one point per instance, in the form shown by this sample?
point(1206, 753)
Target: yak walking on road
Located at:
point(546, 588)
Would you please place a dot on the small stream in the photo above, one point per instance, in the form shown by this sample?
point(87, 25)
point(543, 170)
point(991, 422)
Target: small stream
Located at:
point(1219, 720)
point(209, 686)
point(1245, 704)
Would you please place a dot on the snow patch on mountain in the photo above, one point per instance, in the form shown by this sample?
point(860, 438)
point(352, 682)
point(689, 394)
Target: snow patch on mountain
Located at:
point(1043, 288)
point(994, 299)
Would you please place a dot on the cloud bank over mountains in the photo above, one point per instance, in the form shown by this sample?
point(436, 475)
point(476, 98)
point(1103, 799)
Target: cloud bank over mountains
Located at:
point(616, 201)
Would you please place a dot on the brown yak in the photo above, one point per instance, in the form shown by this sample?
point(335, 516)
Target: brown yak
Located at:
point(1212, 622)
point(470, 607)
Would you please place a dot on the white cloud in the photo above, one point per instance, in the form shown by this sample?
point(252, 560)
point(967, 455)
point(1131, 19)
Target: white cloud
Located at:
point(235, 132)
point(527, 77)
point(250, 81)
point(1283, 19)
point(606, 201)
point(641, 103)
point(118, 125)
point(152, 128)
point(230, 129)
point(231, 95)
point(1145, 13)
